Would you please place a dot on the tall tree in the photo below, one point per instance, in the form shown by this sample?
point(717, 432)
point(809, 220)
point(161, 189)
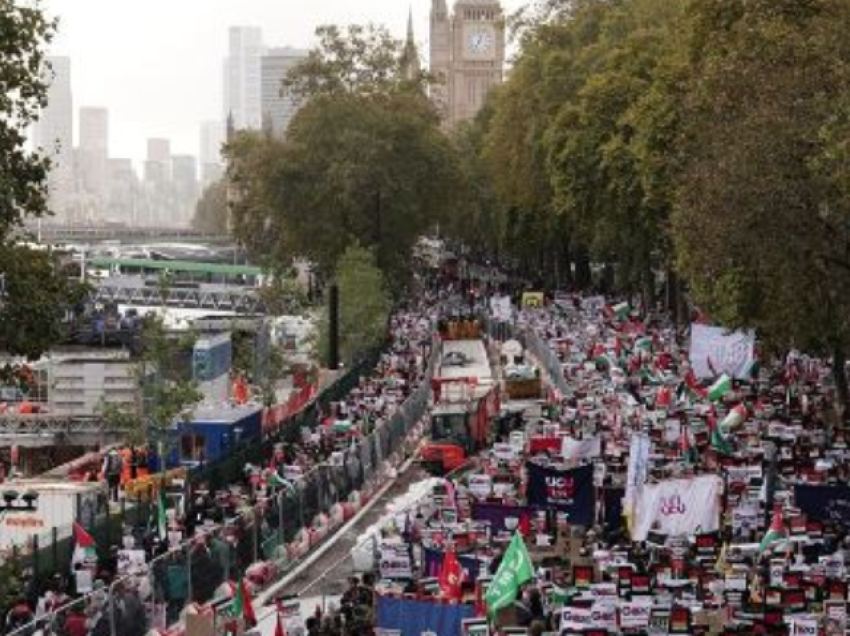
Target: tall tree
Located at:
point(363, 162)
point(364, 305)
point(32, 289)
point(762, 226)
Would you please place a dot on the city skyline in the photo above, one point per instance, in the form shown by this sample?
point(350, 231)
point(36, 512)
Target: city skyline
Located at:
point(114, 67)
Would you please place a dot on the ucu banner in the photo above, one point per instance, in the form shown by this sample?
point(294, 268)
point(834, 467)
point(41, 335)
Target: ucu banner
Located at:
point(678, 506)
point(569, 491)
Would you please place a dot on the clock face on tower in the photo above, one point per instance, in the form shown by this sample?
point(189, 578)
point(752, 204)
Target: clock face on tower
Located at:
point(480, 41)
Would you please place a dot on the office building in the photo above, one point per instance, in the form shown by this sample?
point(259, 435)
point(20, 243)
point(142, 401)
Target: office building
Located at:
point(278, 104)
point(94, 151)
point(184, 173)
point(242, 77)
point(53, 136)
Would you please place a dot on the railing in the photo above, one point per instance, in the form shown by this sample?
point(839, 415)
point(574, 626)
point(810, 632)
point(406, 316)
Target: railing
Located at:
point(262, 542)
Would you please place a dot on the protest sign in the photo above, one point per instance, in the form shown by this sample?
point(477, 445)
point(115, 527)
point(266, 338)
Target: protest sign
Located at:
point(574, 450)
point(480, 485)
point(635, 614)
point(570, 491)
point(395, 562)
point(678, 506)
point(715, 351)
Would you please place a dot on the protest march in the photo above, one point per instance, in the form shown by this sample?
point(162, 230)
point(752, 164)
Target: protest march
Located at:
point(668, 481)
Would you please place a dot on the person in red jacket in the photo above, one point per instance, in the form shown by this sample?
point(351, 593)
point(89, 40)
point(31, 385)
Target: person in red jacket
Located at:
point(75, 623)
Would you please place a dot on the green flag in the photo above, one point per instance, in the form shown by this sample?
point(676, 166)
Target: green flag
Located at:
point(720, 388)
point(161, 518)
point(514, 570)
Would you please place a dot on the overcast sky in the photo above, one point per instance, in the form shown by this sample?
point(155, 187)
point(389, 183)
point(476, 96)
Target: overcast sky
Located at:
point(156, 64)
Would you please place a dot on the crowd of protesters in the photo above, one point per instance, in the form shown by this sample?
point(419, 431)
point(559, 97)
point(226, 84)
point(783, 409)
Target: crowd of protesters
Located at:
point(218, 544)
point(666, 487)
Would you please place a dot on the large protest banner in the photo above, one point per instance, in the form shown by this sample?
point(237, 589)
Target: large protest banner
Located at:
point(715, 351)
point(413, 618)
point(824, 503)
point(678, 506)
point(569, 491)
point(639, 451)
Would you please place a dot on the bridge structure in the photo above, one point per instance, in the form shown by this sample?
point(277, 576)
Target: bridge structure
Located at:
point(132, 290)
point(52, 233)
point(43, 430)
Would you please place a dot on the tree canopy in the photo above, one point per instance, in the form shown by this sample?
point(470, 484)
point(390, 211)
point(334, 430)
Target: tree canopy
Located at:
point(363, 162)
point(702, 138)
point(33, 291)
point(364, 305)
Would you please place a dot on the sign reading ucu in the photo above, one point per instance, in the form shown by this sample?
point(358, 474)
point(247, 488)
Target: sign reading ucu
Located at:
point(672, 505)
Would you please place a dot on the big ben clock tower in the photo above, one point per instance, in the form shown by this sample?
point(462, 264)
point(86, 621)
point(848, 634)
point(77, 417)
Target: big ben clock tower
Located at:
point(467, 56)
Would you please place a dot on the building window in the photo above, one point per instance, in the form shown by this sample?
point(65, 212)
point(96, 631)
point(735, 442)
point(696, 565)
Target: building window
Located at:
point(192, 447)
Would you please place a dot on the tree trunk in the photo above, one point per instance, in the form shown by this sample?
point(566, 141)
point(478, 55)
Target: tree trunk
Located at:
point(672, 292)
point(839, 374)
point(584, 275)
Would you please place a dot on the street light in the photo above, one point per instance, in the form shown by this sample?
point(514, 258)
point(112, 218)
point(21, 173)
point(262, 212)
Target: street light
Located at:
point(14, 502)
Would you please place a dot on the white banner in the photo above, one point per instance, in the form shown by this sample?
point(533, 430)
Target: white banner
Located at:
point(730, 352)
point(678, 506)
point(574, 450)
point(637, 469)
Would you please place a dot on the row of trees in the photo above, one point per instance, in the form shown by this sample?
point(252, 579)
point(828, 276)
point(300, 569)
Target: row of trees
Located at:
point(702, 142)
point(707, 139)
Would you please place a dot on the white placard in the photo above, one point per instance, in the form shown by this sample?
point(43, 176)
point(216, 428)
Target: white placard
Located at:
point(481, 486)
point(395, 562)
point(635, 614)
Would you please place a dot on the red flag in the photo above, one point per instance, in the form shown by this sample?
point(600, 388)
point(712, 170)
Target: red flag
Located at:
point(279, 631)
point(82, 538)
point(451, 576)
point(480, 603)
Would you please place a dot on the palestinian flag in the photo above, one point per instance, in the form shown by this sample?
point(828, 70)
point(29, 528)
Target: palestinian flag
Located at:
point(275, 481)
point(242, 607)
point(690, 455)
point(693, 385)
point(720, 443)
point(621, 311)
point(734, 418)
point(643, 344)
point(651, 376)
point(720, 388)
point(775, 533)
point(84, 547)
point(161, 516)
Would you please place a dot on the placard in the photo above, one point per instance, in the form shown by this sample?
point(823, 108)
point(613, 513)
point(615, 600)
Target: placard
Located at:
point(481, 486)
point(395, 562)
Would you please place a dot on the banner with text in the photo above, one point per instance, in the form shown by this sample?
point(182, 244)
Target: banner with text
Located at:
point(715, 351)
point(678, 506)
point(569, 491)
